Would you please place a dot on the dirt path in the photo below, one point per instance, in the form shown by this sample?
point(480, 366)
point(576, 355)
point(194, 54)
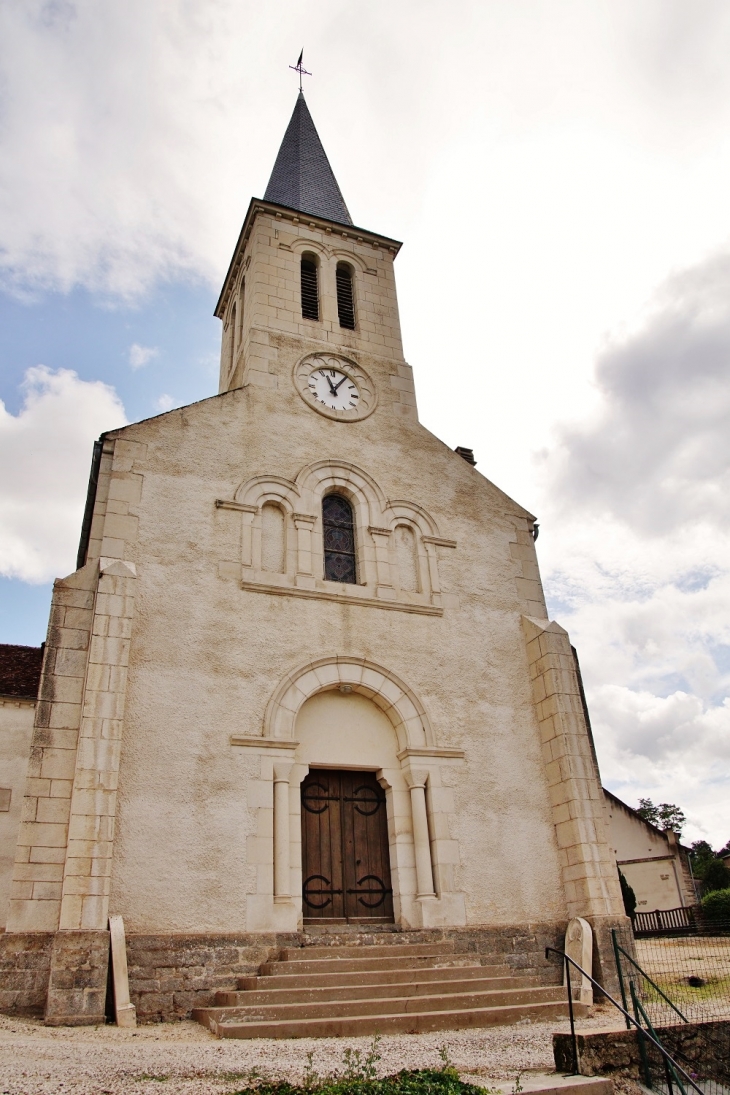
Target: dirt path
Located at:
point(184, 1059)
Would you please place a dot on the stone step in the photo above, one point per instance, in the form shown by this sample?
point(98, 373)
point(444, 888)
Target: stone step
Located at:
point(403, 1023)
point(379, 1005)
point(555, 1083)
point(366, 965)
point(367, 950)
point(376, 977)
point(357, 991)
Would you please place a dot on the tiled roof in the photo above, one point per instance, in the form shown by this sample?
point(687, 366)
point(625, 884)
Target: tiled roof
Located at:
point(20, 670)
point(302, 177)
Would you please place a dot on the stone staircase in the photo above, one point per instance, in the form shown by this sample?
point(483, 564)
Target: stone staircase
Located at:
point(356, 988)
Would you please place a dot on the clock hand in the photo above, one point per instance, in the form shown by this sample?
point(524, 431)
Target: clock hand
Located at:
point(334, 390)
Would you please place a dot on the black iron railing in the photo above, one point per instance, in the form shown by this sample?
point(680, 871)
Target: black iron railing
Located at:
point(674, 1069)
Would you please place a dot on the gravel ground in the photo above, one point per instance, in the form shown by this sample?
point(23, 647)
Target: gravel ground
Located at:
point(188, 1060)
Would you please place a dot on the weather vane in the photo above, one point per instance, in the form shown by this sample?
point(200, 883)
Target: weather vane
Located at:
point(299, 67)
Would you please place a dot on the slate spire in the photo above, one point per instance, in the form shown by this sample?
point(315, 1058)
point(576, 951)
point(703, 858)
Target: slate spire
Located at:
point(302, 177)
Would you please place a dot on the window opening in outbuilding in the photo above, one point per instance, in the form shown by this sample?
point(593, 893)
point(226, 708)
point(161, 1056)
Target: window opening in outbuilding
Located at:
point(310, 287)
point(345, 296)
point(338, 528)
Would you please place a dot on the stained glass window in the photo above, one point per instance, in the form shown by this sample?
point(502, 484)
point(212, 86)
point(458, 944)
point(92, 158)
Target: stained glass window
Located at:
point(339, 540)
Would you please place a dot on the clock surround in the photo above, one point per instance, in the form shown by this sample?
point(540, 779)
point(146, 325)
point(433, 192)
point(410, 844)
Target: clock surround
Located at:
point(335, 387)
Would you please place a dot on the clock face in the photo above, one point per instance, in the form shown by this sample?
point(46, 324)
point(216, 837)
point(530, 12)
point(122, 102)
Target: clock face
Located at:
point(335, 387)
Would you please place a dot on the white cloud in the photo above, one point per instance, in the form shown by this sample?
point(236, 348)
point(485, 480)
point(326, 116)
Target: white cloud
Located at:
point(142, 355)
point(636, 551)
point(46, 451)
point(658, 455)
point(165, 403)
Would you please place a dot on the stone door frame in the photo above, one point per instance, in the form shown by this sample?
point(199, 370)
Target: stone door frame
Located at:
point(424, 858)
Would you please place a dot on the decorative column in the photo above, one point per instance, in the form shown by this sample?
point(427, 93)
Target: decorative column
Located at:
point(282, 883)
point(424, 870)
point(381, 539)
point(304, 523)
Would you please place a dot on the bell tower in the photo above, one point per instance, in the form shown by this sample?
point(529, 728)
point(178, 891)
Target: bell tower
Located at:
point(304, 281)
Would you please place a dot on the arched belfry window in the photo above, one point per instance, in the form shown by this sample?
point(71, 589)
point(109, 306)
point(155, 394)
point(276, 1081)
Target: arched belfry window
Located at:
point(338, 528)
point(345, 296)
point(310, 286)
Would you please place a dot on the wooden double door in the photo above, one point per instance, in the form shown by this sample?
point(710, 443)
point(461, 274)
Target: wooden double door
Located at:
point(345, 858)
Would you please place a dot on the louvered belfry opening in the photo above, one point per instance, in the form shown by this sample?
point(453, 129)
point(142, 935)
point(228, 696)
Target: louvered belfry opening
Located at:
point(310, 287)
point(345, 296)
point(338, 528)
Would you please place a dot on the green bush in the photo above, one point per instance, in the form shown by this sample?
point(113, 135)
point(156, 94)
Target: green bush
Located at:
point(716, 905)
point(359, 1077)
point(407, 1082)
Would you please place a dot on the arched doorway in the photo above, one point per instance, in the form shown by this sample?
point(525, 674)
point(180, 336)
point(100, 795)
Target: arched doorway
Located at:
point(346, 873)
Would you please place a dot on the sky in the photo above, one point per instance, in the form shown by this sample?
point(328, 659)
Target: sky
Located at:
point(558, 171)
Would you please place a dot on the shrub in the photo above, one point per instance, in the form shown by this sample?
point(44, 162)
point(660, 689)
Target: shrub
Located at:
point(716, 906)
point(407, 1082)
point(359, 1077)
point(627, 892)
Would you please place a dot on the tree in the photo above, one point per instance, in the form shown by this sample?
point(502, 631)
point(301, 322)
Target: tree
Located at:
point(665, 816)
point(701, 856)
point(628, 895)
point(716, 876)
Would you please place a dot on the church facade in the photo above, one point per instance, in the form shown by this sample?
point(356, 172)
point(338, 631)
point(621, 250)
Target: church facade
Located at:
point(303, 676)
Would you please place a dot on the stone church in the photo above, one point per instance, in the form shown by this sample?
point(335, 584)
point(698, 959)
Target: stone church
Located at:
point(302, 688)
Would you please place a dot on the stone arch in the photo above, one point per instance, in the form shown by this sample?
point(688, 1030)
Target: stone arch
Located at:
point(325, 476)
point(300, 245)
point(268, 488)
point(340, 254)
point(399, 703)
point(401, 512)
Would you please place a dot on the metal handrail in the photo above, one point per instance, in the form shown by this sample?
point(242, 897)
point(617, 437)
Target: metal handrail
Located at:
point(649, 1037)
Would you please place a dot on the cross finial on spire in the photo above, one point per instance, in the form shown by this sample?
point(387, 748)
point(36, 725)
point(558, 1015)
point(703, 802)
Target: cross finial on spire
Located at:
point(299, 67)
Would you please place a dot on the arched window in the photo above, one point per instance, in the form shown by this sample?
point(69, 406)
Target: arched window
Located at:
point(405, 549)
point(339, 540)
point(310, 286)
point(273, 539)
point(345, 296)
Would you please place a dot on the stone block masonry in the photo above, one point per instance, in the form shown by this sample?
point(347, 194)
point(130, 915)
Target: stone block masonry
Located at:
point(25, 967)
point(170, 975)
point(616, 1052)
point(77, 981)
point(65, 976)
